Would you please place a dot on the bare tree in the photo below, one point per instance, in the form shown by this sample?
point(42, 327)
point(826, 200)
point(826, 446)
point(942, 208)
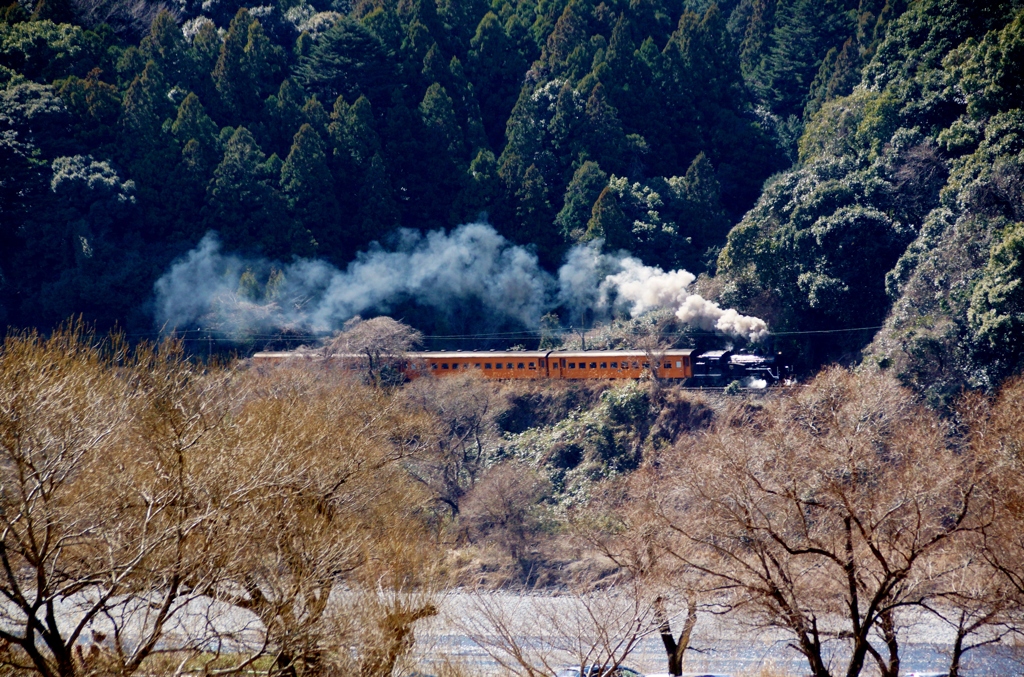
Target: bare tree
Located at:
point(814, 514)
point(382, 340)
point(324, 500)
point(59, 413)
point(502, 509)
point(162, 482)
point(617, 524)
point(100, 526)
point(140, 492)
point(463, 408)
point(531, 635)
point(969, 598)
point(996, 437)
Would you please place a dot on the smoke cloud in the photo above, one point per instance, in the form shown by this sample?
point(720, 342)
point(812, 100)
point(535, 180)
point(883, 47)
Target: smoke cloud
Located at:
point(647, 288)
point(472, 264)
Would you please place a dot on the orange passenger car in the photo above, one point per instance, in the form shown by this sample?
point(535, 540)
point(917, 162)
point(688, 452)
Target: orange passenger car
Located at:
point(502, 365)
point(554, 364)
point(614, 364)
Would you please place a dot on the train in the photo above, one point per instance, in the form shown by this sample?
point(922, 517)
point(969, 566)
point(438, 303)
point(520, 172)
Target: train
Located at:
point(698, 368)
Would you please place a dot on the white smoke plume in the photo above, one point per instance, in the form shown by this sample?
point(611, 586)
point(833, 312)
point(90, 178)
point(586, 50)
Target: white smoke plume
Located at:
point(473, 263)
point(592, 279)
point(437, 270)
point(647, 288)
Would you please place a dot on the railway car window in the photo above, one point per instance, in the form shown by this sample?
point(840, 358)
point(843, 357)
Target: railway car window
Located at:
point(433, 366)
point(615, 365)
point(487, 365)
point(465, 365)
point(533, 365)
point(476, 366)
point(508, 365)
point(521, 366)
point(444, 366)
point(668, 365)
point(636, 366)
point(572, 365)
point(647, 365)
point(541, 364)
point(604, 365)
point(593, 365)
point(678, 364)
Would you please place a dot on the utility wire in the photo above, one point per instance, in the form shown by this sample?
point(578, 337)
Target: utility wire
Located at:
point(208, 335)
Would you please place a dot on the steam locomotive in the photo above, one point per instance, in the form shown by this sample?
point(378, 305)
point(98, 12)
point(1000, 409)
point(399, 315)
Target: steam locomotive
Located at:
point(707, 368)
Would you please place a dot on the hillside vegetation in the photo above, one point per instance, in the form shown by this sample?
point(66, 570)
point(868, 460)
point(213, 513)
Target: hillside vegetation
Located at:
point(163, 516)
point(888, 133)
point(850, 172)
point(833, 166)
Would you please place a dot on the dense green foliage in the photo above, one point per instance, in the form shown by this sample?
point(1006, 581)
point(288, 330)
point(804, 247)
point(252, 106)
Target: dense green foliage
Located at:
point(313, 128)
point(903, 206)
point(869, 151)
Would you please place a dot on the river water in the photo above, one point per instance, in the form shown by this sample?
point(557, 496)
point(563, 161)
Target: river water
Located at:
point(476, 631)
point(472, 629)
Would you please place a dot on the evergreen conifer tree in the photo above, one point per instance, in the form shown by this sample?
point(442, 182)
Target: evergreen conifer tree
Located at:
point(282, 113)
point(206, 45)
point(244, 206)
point(804, 32)
point(534, 216)
point(495, 67)
point(166, 45)
point(384, 23)
point(587, 183)
point(609, 223)
point(231, 76)
point(437, 111)
point(622, 79)
point(193, 123)
point(347, 60)
point(196, 133)
point(481, 189)
point(403, 159)
point(149, 154)
point(757, 36)
point(435, 68)
point(308, 188)
point(145, 107)
point(378, 212)
point(569, 32)
point(565, 129)
point(358, 133)
point(605, 139)
point(95, 107)
point(703, 218)
point(467, 108)
point(313, 112)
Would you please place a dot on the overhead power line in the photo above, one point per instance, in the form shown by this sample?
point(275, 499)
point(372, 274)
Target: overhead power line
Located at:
point(207, 335)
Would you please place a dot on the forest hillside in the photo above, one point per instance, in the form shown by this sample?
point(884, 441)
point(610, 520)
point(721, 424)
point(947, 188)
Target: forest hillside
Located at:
point(846, 170)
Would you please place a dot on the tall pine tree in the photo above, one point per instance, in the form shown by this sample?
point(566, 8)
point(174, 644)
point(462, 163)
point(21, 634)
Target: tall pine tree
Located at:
point(308, 188)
